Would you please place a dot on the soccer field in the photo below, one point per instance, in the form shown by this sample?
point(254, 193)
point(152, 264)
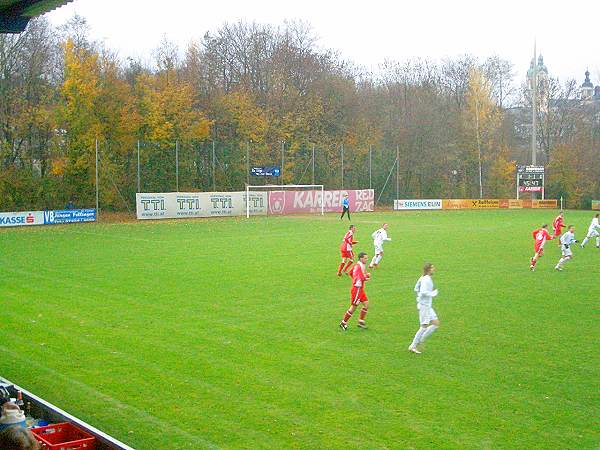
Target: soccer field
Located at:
point(223, 333)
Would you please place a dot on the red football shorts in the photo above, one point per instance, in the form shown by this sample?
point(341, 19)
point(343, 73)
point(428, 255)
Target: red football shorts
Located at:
point(357, 295)
point(347, 254)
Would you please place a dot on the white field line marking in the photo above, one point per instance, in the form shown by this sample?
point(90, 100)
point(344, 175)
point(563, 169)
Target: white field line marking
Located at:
point(149, 366)
point(120, 406)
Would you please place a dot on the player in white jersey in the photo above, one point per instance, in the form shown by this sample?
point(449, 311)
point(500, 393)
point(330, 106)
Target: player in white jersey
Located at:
point(428, 319)
point(593, 232)
point(566, 240)
point(379, 237)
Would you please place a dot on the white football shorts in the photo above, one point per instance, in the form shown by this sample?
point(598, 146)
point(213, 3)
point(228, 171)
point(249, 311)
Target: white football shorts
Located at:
point(593, 233)
point(378, 249)
point(426, 314)
point(567, 251)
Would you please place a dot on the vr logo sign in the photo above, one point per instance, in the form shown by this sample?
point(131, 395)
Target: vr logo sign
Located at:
point(49, 217)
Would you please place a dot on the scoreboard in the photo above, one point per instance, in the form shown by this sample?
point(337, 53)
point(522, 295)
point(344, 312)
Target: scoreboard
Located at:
point(530, 179)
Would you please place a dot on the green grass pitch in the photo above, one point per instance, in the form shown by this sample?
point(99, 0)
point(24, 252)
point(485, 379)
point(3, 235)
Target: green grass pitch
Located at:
point(223, 333)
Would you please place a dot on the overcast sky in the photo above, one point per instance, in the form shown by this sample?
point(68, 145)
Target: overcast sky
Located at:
point(368, 32)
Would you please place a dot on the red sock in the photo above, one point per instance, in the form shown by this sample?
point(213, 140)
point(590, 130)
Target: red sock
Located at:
point(363, 313)
point(348, 264)
point(533, 262)
point(340, 268)
point(347, 316)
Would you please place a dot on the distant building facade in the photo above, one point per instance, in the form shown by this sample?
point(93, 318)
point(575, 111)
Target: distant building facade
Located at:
point(542, 82)
point(589, 92)
point(585, 100)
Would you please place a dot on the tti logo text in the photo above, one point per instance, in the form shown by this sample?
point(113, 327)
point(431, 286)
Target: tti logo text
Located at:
point(154, 204)
point(221, 202)
point(188, 203)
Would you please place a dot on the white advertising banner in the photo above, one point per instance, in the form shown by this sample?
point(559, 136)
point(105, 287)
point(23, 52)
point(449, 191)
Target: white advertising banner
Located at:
point(175, 205)
point(401, 205)
point(234, 203)
point(304, 202)
point(23, 218)
point(48, 217)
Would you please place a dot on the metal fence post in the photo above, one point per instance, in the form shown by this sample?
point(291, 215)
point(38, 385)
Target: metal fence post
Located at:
point(248, 162)
point(177, 165)
point(213, 167)
point(342, 165)
point(313, 164)
point(397, 171)
point(97, 187)
point(138, 166)
point(370, 167)
point(282, 160)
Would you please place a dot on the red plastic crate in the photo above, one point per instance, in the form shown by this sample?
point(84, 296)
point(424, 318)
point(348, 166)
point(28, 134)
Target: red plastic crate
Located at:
point(64, 436)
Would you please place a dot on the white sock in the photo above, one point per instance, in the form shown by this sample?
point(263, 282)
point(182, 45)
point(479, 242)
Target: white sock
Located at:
point(560, 262)
point(585, 241)
point(379, 258)
point(418, 336)
point(598, 242)
point(373, 261)
point(428, 332)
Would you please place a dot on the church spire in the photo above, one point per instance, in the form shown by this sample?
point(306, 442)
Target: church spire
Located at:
point(587, 88)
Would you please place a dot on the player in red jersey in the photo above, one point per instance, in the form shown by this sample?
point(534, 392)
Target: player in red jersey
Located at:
point(346, 251)
point(558, 225)
point(357, 293)
point(540, 235)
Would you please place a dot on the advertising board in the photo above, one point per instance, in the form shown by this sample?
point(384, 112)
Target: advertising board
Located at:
point(299, 202)
point(176, 205)
point(23, 218)
point(485, 203)
point(406, 204)
point(492, 203)
point(456, 204)
point(51, 217)
point(69, 216)
point(265, 171)
point(544, 204)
